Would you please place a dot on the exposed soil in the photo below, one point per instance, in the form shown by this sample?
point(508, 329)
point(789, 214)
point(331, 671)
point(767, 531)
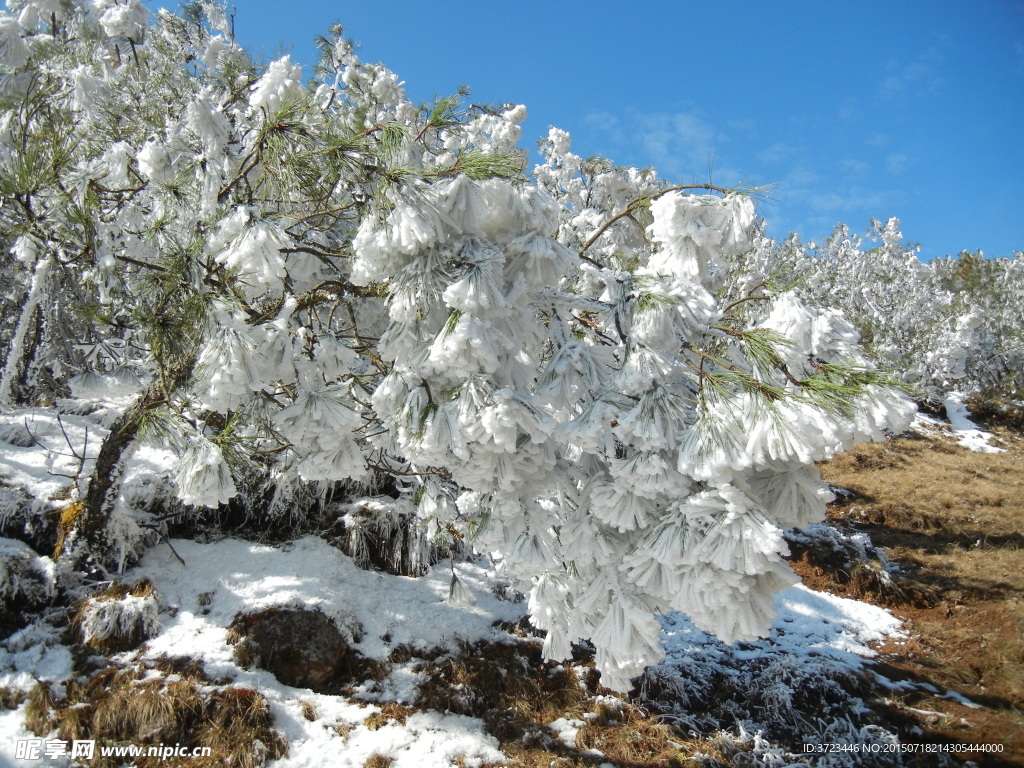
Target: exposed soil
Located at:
point(951, 519)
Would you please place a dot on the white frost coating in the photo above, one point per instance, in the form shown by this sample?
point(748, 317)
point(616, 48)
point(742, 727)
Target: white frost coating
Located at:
point(202, 476)
point(209, 124)
point(281, 83)
point(659, 324)
point(115, 161)
point(608, 446)
point(24, 574)
point(320, 424)
point(89, 385)
point(122, 617)
point(604, 407)
point(824, 335)
point(155, 162)
point(238, 360)
point(43, 7)
point(696, 231)
point(497, 133)
point(253, 248)
point(122, 18)
point(26, 250)
point(216, 16)
point(947, 325)
point(13, 50)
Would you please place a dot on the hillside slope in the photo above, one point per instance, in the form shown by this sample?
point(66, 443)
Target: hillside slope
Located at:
point(907, 631)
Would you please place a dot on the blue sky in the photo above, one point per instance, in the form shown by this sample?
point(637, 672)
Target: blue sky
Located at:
point(853, 110)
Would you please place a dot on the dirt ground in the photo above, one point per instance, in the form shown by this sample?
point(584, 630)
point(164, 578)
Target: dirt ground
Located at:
point(951, 519)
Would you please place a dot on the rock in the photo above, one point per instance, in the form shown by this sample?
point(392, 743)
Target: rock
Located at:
point(301, 647)
point(26, 579)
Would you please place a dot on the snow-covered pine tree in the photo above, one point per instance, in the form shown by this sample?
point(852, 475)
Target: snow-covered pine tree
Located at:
point(308, 286)
point(951, 324)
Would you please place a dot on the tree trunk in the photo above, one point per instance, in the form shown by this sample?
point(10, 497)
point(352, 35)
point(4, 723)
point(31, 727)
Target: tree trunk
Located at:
point(92, 546)
point(10, 377)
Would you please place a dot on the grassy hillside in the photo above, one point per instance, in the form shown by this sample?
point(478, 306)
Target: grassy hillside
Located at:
point(951, 519)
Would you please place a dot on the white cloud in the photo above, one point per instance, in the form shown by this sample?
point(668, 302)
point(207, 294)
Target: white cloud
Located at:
point(603, 121)
point(800, 178)
point(812, 203)
point(811, 194)
point(777, 153)
point(748, 127)
point(679, 145)
point(852, 200)
point(669, 138)
point(896, 163)
point(852, 165)
point(918, 76)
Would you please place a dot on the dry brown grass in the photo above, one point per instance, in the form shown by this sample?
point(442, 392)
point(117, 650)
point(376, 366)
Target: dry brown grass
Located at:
point(993, 411)
point(168, 701)
point(951, 518)
point(517, 694)
point(11, 698)
point(39, 716)
point(390, 711)
point(507, 685)
point(632, 738)
point(127, 635)
point(238, 727)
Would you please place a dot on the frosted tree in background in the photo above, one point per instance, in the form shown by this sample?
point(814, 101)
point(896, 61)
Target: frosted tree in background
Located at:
point(952, 324)
point(324, 289)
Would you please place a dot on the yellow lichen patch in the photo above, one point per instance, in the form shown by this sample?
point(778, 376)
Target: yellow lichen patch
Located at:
point(68, 517)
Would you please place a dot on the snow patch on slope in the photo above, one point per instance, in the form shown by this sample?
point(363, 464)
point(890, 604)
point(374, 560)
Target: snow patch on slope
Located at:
point(966, 431)
point(814, 634)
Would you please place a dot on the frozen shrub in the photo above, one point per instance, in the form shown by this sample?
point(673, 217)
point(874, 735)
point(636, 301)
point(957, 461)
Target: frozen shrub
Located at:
point(118, 618)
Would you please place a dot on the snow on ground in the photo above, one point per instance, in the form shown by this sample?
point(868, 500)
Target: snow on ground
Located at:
point(12, 728)
point(198, 601)
point(42, 449)
point(809, 625)
point(240, 576)
point(966, 431)
point(812, 622)
point(805, 683)
point(46, 453)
